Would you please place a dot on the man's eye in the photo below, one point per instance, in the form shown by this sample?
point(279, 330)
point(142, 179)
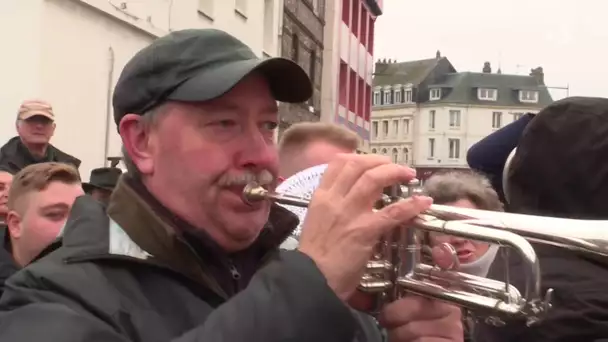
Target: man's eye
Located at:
point(271, 125)
point(225, 123)
point(56, 216)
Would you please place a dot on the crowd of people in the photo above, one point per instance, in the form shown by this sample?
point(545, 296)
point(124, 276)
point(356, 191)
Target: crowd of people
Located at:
point(169, 250)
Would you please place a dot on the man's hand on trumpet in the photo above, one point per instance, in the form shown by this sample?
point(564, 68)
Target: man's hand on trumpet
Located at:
point(340, 230)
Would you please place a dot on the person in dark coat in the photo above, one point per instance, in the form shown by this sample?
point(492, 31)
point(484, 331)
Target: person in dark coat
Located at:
point(488, 156)
point(560, 169)
point(35, 126)
point(179, 255)
point(101, 183)
point(7, 264)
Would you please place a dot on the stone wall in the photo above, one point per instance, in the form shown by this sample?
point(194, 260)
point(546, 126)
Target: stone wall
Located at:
point(302, 42)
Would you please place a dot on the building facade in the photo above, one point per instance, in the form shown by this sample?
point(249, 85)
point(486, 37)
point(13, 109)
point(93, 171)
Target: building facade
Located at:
point(445, 111)
point(348, 64)
point(71, 53)
point(302, 41)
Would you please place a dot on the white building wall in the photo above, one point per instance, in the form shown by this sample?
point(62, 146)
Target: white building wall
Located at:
point(71, 52)
point(475, 123)
point(400, 135)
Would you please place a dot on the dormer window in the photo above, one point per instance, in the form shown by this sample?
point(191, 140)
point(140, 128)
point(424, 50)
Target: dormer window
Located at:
point(435, 94)
point(408, 94)
point(398, 94)
point(387, 96)
point(530, 96)
point(486, 94)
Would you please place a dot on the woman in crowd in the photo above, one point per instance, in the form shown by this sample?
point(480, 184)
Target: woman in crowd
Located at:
point(465, 189)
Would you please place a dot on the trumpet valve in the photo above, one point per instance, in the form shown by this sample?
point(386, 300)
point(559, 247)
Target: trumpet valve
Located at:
point(378, 266)
point(371, 283)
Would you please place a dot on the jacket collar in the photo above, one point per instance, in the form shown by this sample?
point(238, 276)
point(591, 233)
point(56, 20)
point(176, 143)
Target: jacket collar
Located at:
point(138, 228)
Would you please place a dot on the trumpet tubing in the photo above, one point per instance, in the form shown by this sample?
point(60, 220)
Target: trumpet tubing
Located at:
point(395, 266)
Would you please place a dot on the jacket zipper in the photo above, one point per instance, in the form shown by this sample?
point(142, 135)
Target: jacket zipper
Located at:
point(236, 276)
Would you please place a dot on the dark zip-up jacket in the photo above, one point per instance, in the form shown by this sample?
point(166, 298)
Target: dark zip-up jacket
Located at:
point(8, 267)
point(130, 276)
point(14, 156)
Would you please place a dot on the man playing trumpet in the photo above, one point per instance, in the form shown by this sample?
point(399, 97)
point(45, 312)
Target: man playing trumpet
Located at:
point(180, 256)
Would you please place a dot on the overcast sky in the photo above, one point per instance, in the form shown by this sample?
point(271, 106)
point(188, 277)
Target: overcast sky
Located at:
point(569, 39)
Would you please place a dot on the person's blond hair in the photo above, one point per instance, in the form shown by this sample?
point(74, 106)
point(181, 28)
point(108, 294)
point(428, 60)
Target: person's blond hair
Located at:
point(301, 134)
point(37, 177)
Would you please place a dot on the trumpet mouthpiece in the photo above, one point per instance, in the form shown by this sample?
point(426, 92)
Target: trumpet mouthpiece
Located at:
point(254, 192)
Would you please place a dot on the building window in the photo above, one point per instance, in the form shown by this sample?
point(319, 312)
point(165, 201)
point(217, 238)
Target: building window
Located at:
point(396, 128)
point(408, 96)
point(431, 147)
point(387, 97)
point(313, 66)
point(269, 23)
point(384, 129)
point(295, 47)
point(486, 94)
point(517, 116)
point(435, 94)
point(431, 120)
point(384, 152)
point(376, 98)
point(406, 127)
point(530, 96)
point(375, 130)
point(241, 7)
point(374, 151)
point(206, 7)
point(496, 119)
point(454, 148)
point(406, 156)
point(398, 96)
point(454, 119)
point(395, 156)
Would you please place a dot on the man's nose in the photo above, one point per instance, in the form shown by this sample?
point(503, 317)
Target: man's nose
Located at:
point(457, 240)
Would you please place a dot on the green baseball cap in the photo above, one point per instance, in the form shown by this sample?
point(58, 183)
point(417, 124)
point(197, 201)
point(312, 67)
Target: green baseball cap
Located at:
point(198, 65)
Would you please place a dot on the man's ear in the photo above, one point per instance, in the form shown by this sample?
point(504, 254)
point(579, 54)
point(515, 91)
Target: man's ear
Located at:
point(135, 139)
point(13, 222)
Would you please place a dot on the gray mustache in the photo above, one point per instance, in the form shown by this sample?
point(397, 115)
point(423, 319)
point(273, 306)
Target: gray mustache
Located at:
point(263, 177)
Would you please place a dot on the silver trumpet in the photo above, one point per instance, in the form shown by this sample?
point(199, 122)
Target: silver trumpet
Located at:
point(396, 268)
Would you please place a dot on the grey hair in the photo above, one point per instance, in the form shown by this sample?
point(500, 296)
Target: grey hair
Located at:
point(149, 120)
point(452, 186)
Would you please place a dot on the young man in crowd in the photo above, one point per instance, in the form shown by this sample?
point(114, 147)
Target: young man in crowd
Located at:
point(180, 256)
point(40, 199)
point(35, 127)
point(309, 144)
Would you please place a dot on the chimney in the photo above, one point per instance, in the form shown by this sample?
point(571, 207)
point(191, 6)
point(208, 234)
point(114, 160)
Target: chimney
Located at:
point(487, 69)
point(438, 54)
point(539, 75)
point(381, 66)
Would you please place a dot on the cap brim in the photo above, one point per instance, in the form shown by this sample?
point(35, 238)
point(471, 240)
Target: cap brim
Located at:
point(287, 80)
point(35, 113)
point(88, 187)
